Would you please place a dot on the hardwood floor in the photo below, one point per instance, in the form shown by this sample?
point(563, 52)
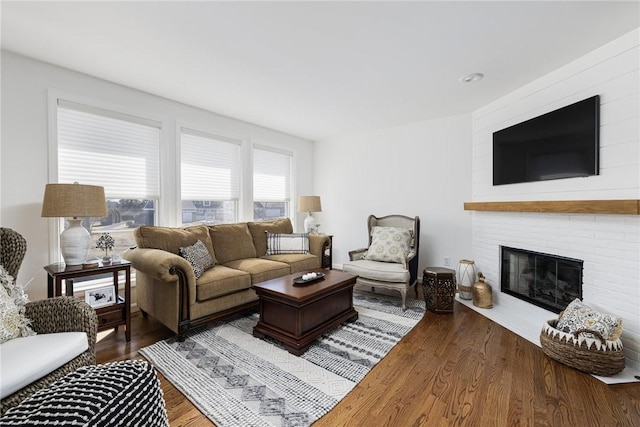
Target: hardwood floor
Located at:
point(452, 369)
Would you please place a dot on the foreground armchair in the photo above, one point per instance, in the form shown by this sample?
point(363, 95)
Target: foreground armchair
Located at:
point(32, 363)
point(391, 259)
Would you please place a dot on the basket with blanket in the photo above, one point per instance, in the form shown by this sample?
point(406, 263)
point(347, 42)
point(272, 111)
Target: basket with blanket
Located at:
point(585, 339)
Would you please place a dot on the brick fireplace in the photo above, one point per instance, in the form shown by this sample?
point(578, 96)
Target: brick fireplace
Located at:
point(609, 246)
point(607, 243)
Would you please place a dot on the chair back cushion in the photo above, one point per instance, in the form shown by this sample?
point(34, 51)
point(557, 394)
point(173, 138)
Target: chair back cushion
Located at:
point(398, 221)
point(389, 244)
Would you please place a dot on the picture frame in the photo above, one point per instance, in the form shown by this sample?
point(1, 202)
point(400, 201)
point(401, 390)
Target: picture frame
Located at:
point(100, 297)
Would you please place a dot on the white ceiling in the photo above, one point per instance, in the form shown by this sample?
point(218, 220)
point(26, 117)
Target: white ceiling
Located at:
point(317, 69)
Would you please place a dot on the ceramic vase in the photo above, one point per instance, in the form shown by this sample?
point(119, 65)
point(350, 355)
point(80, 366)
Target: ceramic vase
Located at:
point(465, 278)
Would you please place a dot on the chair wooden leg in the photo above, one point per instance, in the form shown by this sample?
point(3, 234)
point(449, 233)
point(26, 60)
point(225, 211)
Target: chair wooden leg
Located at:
point(403, 292)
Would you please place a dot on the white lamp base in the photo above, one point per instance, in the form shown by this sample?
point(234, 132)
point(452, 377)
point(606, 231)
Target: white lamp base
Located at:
point(310, 224)
point(74, 243)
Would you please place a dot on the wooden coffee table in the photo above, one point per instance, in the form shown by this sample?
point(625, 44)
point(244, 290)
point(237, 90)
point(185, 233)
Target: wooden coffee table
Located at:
point(297, 314)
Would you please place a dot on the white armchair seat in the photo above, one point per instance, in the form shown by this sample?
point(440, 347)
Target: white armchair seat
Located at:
point(375, 270)
point(27, 359)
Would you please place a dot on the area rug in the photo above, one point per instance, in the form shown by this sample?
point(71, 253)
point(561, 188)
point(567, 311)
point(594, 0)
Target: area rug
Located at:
point(236, 379)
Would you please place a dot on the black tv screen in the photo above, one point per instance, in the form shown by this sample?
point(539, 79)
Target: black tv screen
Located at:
point(561, 144)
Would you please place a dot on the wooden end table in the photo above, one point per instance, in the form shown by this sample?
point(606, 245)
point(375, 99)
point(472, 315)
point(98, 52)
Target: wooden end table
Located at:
point(297, 315)
point(110, 316)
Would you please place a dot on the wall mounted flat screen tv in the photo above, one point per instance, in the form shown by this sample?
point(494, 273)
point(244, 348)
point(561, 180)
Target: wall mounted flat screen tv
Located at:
point(561, 144)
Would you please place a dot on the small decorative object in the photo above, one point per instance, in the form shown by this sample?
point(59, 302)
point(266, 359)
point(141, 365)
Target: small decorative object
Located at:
point(100, 297)
point(106, 243)
point(465, 277)
point(482, 293)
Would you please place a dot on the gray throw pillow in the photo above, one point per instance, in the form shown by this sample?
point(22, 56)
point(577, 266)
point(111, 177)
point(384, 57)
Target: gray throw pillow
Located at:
point(198, 256)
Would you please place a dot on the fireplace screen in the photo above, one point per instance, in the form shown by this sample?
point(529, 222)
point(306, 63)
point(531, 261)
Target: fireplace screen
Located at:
point(545, 280)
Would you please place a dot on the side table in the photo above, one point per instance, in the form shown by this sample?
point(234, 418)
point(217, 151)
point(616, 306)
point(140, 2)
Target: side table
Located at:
point(439, 288)
point(110, 316)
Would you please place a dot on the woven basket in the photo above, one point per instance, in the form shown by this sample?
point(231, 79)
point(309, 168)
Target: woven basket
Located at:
point(591, 355)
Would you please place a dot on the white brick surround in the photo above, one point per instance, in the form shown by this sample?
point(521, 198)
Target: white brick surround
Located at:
point(608, 244)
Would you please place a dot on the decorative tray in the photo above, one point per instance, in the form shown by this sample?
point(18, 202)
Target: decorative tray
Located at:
point(301, 281)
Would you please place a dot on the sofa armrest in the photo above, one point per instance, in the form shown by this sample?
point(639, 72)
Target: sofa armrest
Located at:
point(159, 264)
point(318, 244)
point(357, 254)
point(63, 314)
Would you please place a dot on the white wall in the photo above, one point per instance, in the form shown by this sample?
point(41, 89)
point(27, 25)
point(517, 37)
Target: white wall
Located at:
point(608, 244)
point(421, 169)
point(24, 168)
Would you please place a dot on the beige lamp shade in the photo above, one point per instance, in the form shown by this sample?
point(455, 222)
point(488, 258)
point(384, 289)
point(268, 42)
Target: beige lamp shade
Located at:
point(309, 204)
point(73, 200)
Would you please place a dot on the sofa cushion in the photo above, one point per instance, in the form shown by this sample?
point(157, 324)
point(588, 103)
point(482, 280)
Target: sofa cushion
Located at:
point(259, 232)
point(297, 262)
point(232, 242)
point(295, 243)
point(374, 270)
point(260, 269)
point(221, 280)
point(171, 239)
point(198, 256)
point(27, 359)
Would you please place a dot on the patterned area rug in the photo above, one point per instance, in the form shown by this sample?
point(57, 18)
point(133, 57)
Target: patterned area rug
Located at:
point(238, 380)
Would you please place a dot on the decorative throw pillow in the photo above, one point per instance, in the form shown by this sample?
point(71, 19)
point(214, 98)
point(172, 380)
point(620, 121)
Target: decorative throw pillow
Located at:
point(198, 256)
point(578, 315)
point(295, 243)
point(389, 244)
point(12, 307)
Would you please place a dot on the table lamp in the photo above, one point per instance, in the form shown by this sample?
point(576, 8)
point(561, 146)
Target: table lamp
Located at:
point(74, 201)
point(309, 204)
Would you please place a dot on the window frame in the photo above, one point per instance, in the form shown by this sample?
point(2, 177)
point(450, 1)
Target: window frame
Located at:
point(55, 98)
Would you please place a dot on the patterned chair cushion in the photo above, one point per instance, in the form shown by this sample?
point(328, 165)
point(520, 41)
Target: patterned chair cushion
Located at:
point(389, 244)
point(198, 256)
point(578, 315)
point(121, 393)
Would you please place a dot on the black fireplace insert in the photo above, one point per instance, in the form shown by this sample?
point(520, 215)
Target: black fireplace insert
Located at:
point(548, 281)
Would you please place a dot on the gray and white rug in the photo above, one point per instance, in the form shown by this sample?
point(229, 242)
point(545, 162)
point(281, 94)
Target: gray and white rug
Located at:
point(236, 379)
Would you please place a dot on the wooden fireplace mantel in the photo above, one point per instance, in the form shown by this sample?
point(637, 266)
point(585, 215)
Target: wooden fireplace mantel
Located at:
point(605, 207)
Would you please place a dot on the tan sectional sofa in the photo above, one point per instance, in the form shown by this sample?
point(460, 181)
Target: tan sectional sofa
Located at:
point(166, 285)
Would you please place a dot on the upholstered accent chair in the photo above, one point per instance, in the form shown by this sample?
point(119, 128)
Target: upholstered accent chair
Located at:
point(391, 259)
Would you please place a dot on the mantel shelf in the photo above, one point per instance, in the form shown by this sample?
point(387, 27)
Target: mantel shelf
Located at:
point(604, 207)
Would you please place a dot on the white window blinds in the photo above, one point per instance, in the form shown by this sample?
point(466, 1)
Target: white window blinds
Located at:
point(114, 150)
point(210, 166)
point(271, 175)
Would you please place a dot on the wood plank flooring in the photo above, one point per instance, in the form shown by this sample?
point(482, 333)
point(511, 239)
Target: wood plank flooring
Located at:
point(457, 369)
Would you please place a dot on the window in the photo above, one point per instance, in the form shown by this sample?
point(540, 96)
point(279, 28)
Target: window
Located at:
point(119, 152)
point(271, 183)
point(210, 177)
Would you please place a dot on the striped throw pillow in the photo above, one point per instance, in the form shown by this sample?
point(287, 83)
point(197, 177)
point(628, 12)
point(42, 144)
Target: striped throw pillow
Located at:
point(296, 243)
